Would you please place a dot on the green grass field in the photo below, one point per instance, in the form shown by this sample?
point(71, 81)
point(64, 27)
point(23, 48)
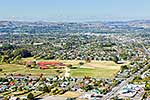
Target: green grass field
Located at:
point(97, 72)
point(98, 69)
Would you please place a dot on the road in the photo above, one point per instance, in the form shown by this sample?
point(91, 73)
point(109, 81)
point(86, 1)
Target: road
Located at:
point(145, 50)
point(138, 96)
point(116, 89)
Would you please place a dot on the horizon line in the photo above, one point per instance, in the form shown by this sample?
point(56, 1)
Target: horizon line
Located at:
point(77, 21)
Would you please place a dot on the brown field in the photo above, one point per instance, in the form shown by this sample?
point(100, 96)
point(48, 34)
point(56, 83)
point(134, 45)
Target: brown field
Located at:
point(70, 94)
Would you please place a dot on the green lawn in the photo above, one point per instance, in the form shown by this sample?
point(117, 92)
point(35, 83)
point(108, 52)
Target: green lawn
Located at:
point(97, 72)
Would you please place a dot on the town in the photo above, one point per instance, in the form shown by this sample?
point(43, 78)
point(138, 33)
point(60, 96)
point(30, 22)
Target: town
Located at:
point(109, 63)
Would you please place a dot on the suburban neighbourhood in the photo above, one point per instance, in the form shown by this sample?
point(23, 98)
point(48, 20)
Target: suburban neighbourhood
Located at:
point(74, 50)
point(75, 66)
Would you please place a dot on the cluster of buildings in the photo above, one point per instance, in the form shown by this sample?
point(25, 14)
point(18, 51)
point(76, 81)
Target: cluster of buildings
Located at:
point(46, 64)
point(146, 74)
point(20, 87)
point(131, 91)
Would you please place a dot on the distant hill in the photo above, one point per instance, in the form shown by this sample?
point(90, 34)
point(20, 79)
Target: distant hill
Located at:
point(49, 27)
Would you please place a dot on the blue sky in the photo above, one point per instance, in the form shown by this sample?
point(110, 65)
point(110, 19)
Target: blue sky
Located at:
point(74, 10)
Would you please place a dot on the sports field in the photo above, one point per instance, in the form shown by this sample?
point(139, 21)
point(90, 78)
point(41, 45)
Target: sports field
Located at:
point(99, 69)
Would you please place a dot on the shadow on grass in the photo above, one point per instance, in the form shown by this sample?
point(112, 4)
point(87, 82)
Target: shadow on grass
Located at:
point(73, 67)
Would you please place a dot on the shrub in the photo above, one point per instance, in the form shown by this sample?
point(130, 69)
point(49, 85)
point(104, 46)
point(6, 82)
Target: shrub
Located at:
point(1, 70)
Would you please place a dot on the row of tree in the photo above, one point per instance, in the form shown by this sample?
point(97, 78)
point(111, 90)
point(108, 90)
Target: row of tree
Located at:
point(11, 54)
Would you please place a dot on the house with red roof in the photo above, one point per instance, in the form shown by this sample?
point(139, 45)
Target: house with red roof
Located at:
point(11, 83)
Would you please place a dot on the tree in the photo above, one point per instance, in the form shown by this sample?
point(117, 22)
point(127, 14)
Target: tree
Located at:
point(88, 87)
point(104, 91)
point(69, 66)
point(147, 86)
point(45, 89)
point(116, 59)
point(54, 91)
point(3, 59)
point(50, 88)
point(123, 56)
point(28, 66)
point(81, 63)
point(30, 96)
point(7, 47)
point(124, 67)
point(19, 88)
point(16, 59)
point(33, 64)
point(23, 52)
point(88, 60)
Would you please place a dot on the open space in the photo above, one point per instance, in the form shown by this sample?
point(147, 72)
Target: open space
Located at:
point(21, 69)
point(100, 69)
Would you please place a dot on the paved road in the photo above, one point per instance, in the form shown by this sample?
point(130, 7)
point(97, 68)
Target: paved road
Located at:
point(145, 50)
point(138, 96)
point(116, 89)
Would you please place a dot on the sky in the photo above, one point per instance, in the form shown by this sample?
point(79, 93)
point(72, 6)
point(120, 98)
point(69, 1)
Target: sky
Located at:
point(74, 10)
